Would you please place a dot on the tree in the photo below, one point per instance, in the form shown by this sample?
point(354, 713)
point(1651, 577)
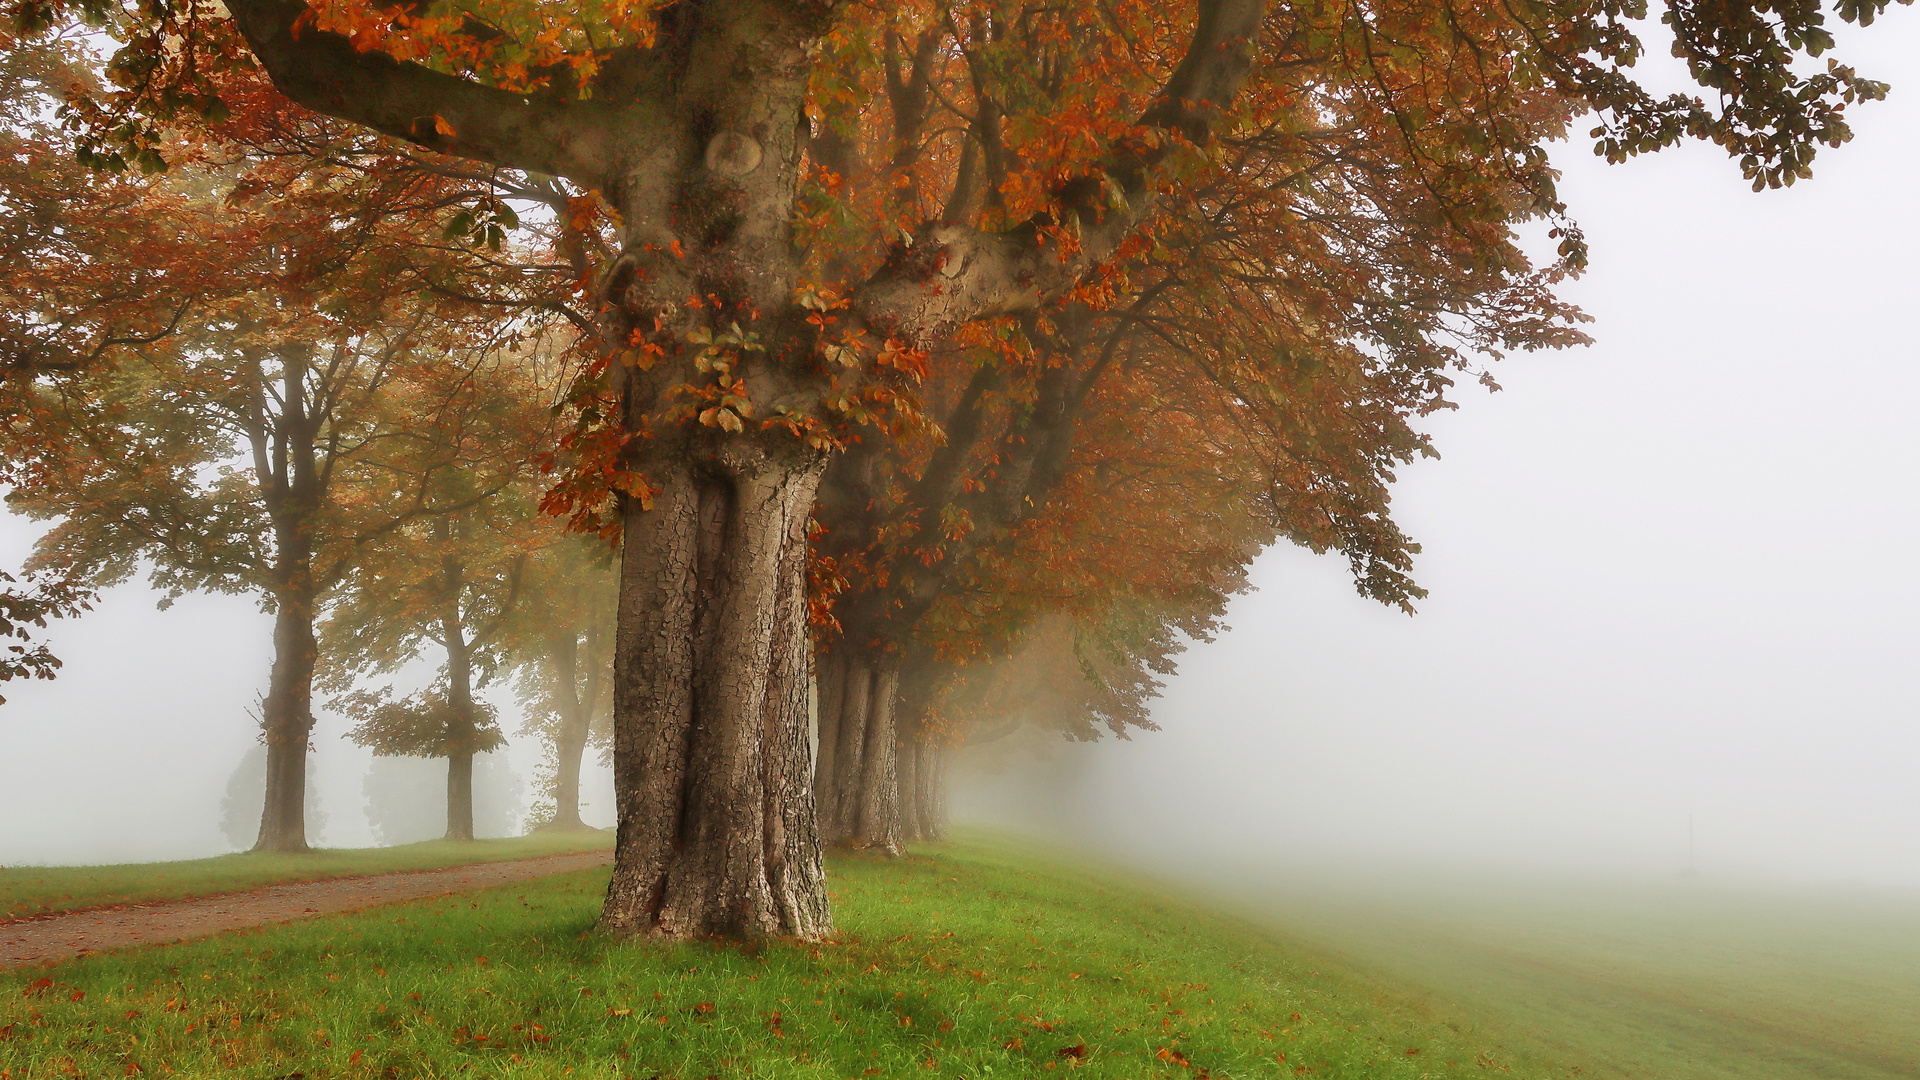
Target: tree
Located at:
point(406, 798)
point(247, 791)
point(23, 610)
point(1041, 497)
point(716, 131)
point(462, 450)
point(214, 448)
point(564, 627)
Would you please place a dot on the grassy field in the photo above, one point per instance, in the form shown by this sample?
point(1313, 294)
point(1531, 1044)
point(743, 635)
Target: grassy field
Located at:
point(1675, 980)
point(975, 959)
point(26, 891)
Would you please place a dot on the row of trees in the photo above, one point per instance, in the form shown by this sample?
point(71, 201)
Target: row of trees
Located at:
point(932, 363)
point(298, 402)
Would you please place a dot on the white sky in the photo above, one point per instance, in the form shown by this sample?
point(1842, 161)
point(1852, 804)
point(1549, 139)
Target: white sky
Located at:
point(1673, 575)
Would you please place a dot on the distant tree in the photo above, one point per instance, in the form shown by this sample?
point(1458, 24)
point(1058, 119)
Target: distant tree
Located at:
point(147, 471)
point(406, 799)
point(1114, 489)
point(247, 789)
point(304, 271)
point(564, 626)
point(452, 575)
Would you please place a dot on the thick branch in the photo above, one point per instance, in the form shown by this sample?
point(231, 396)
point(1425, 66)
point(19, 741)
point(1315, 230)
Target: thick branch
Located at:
point(441, 112)
point(954, 274)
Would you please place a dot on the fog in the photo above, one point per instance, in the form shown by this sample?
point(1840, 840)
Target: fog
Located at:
point(1673, 588)
point(1674, 577)
point(130, 754)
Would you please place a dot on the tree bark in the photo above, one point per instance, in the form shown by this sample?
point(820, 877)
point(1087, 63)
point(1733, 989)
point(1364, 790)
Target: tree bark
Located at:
point(287, 717)
point(570, 740)
point(931, 795)
point(857, 782)
point(878, 823)
point(462, 725)
point(832, 677)
point(460, 796)
point(856, 702)
point(717, 832)
point(291, 487)
point(912, 829)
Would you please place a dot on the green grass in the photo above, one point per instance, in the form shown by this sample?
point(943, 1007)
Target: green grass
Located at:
point(974, 959)
point(38, 890)
point(1676, 980)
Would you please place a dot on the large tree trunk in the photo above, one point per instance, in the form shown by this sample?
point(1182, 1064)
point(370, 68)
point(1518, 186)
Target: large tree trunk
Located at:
point(287, 717)
point(859, 787)
point(717, 832)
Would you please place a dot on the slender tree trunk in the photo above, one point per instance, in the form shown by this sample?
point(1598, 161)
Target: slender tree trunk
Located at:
point(717, 830)
point(570, 738)
point(287, 713)
point(832, 675)
point(570, 746)
point(912, 830)
point(462, 725)
point(932, 793)
point(291, 487)
point(460, 796)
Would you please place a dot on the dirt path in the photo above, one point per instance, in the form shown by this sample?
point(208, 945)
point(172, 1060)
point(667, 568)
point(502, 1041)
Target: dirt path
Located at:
point(62, 937)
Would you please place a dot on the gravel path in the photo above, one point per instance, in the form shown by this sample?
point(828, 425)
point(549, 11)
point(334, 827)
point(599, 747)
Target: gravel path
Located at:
point(62, 937)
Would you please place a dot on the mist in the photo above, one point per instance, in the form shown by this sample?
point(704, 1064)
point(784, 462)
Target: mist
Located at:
point(1672, 625)
point(129, 755)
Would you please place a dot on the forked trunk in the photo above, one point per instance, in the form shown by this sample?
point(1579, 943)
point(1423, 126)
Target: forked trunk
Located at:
point(717, 833)
point(287, 717)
